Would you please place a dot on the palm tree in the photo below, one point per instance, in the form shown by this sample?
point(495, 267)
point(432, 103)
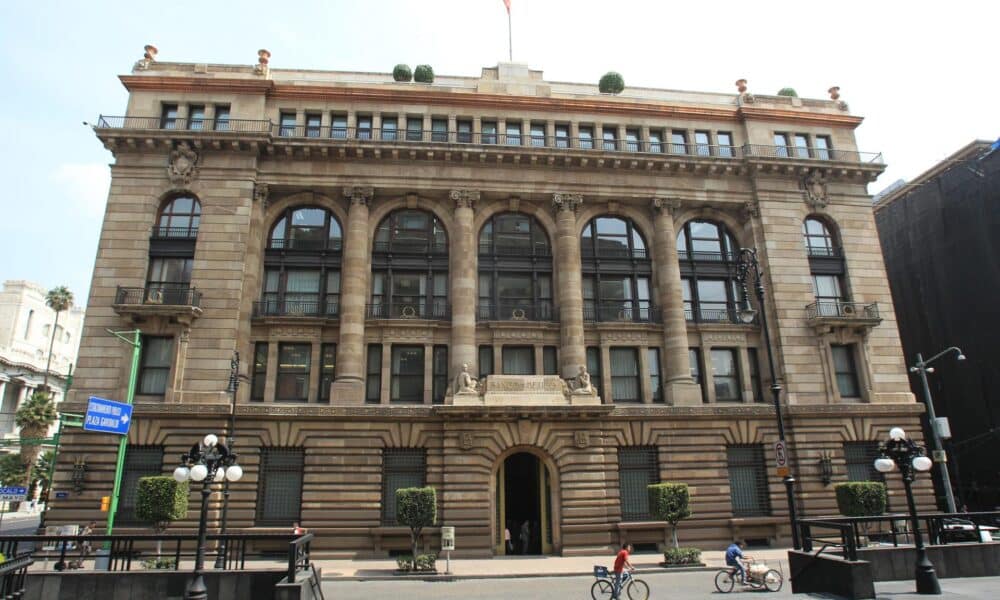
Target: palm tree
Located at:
point(35, 416)
point(58, 299)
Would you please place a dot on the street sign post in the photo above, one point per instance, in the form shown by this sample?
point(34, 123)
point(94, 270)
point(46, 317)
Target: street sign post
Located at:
point(107, 416)
point(447, 544)
point(781, 458)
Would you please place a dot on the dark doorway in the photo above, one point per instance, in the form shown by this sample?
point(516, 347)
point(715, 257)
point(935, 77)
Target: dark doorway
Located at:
point(522, 502)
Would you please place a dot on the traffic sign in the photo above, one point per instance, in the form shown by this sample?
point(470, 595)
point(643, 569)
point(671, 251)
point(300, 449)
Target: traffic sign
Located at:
point(107, 416)
point(62, 495)
point(13, 493)
point(781, 458)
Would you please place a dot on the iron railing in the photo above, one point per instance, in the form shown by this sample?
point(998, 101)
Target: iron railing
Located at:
point(298, 555)
point(587, 250)
point(894, 529)
point(636, 311)
point(330, 307)
point(516, 310)
point(500, 249)
point(835, 309)
point(700, 314)
point(186, 123)
point(175, 233)
point(13, 573)
point(434, 311)
point(845, 539)
point(823, 251)
point(811, 153)
point(168, 295)
point(404, 247)
point(701, 256)
point(331, 245)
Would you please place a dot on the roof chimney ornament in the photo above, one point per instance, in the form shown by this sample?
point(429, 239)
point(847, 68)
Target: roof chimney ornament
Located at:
point(263, 58)
point(148, 57)
point(745, 97)
point(835, 96)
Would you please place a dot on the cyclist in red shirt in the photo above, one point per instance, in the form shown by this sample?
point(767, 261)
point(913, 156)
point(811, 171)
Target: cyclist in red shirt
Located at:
point(621, 563)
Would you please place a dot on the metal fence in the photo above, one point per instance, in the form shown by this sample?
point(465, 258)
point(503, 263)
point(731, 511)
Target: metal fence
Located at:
point(155, 295)
point(842, 310)
point(895, 530)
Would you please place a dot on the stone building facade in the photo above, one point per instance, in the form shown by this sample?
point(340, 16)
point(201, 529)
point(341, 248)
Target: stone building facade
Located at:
point(359, 241)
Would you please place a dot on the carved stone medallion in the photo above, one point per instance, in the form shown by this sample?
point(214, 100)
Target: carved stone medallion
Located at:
point(814, 187)
point(581, 439)
point(183, 165)
point(465, 440)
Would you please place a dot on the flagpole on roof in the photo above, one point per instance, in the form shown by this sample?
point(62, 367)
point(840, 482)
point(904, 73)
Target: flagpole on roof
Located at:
point(510, 47)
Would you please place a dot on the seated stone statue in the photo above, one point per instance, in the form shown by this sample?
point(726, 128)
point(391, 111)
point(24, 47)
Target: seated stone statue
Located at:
point(466, 383)
point(581, 383)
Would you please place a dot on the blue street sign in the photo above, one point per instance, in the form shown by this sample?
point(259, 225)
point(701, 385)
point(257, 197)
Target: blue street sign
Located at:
point(107, 416)
point(62, 495)
point(13, 493)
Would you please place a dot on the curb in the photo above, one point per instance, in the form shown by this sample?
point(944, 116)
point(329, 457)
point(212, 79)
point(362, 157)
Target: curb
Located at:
point(441, 577)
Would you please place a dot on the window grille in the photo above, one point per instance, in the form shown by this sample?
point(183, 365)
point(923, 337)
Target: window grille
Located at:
point(860, 457)
point(279, 491)
point(748, 481)
point(401, 468)
point(140, 461)
point(638, 467)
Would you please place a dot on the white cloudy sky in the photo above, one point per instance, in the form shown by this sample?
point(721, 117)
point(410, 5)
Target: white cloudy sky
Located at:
point(923, 74)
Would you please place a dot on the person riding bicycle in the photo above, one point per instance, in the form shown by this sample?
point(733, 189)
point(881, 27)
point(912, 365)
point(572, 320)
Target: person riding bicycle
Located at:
point(621, 563)
point(735, 558)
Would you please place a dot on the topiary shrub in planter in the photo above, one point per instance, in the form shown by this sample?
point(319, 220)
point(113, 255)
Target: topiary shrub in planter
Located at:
point(611, 83)
point(682, 556)
point(160, 563)
point(159, 501)
point(416, 508)
point(669, 502)
point(788, 92)
point(425, 562)
point(402, 72)
point(860, 498)
point(423, 74)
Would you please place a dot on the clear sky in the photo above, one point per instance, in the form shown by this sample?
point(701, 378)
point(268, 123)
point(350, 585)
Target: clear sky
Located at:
point(919, 72)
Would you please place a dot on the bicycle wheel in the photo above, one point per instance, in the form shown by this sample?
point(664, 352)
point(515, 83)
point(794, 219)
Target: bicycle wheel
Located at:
point(637, 589)
point(772, 580)
point(724, 581)
point(602, 588)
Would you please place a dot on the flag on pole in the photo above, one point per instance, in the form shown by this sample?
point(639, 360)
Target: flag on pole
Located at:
point(507, 4)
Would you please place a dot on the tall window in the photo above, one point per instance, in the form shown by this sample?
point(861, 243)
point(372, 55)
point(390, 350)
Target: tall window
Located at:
point(373, 374)
point(311, 292)
point(632, 140)
point(287, 124)
point(625, 386)
point(694, 362)
point(594, 368)
point(513, 133)
point(801, 145)
point(279, 486)
point(822, 147)
point(818, 239)
point(562, 135)
point(302, 264)
point(550, 360)
point(414, 128)
point(179, 218)
point(222, 117)
point(515, 269)
point(294, 361)
point(537, 134)
point(407, 383)
point(826, 264)
point(338, 126)
point(485, 361)
point(328, 369)
point(140, 461)
point(725, 144)
point(196, 117)
point(586, 137)
point(518, 360)
point(638, 467)
point(307, 228)
point(259, 378)
point(27, 324)
point(707, 253)
point(655, 378)
point(754, 360)
point(678, 142)
point(439, 130)
point(610, 138)
point(860, 458)
point(313, 124)
point(410, 267)
point(748, 481)
point(616, 272)
point(781, 148)
point(390, 125)
point(168, 280)
point(464, 131)
point(439, 385)
point(489, 132)
point(726, 375)
point(846, 371)
point(154, 365)
point(401, 468)
point(364, 131)
point(703, 143)
point(168, 116)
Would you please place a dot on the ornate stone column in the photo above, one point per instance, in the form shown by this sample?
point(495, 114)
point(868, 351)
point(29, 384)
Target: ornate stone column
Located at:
point(349, 386)
point(463, 264)
point(680, 389)
point(569, 279)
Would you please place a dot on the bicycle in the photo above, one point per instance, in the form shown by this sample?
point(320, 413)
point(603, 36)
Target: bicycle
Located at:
point(758, 577)
point(635, 589)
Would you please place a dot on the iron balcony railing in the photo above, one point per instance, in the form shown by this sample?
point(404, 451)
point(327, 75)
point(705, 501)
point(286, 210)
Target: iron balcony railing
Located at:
point(151, 295)
point(835, 309)
point(516, 310)
point(185, 124)
point(826, 252)
point(404, 247)
point(434, 311)
point(313, 307)
point(587, 250)
point(636, 311)
point(811, 153)
point(700, 256)
point(332, 245)
point(713, 313)
point(499, 249)
point(175, 233)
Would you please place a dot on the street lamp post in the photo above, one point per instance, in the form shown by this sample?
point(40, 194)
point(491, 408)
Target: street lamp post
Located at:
point(234, 385)
point(206, 462)
point(748, 267)
point(901, 452)
point(936, 451)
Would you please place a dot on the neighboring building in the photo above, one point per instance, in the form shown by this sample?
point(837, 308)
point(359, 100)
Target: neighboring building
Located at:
point(941, 241)
point(359, 240)
point(25, 334)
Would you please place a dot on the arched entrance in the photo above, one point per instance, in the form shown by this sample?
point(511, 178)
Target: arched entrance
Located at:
point(523, 501)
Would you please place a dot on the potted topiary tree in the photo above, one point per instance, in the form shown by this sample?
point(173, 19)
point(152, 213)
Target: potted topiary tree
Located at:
point(417, 508)
point(423, 74)
point(611, 83)
point(160, 500)
point(402, 72)
point(790, 92)
point(861, 499)
point(670, 502)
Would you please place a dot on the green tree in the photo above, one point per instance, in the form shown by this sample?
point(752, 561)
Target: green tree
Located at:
point(40, 472)
point(11, 469)
point(416, 508)
point(611, 83)
point(402, 72)
point(423, 74)
point(861, 498)
point(159, 501)
point(58, 299)
point(35, 416)
point(669, 502)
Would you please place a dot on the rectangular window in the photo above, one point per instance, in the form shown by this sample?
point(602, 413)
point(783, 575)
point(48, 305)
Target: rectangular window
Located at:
point(725, 144)
point(594, 368)
point(196, 117)
point(328, 368)
point(562, 135)
point(846, 370)
point(860, 458)
point(537, 134)
point(550, 361)
point(414, 128)
point(586, 137)
point(313, 124)
point(489, 132)
point(259, 378)
point(293, 372)
point(464, 131)
point(748, 481)
point(678, 142)
point(518, 360)
point(389, 127)
point(655, 381)
point(801, 145)
point(753, 359)
point(364, 127)
point(822, 147)
point(154, 365)
point(279, 486)
point(140, 461)
point(609, 137)
point(401, 468)
point(702, 143)
point(694, 360)
point(625, 375)
point(222, 117)
point(338, 127)
point(166, 275)
point(638, 467)
point(781, 145)
point(287, 127)
point(407, 370)
point(632, 140)
point(439, 384)
point(168, 116)
point(373, 374)
point(439, 130)
point(726, 375)
point(656, 140)
point(485, 361)
point(513, 133)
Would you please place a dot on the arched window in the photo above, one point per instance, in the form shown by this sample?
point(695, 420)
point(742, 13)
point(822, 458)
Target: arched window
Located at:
point(27, 325)
point(616, 272)
point(515, 270)
point(826, 265)
point(707, 251)
point(818, 239)
point(307, 228)
point(409, 267)
point(302, 264)
point(179, 218)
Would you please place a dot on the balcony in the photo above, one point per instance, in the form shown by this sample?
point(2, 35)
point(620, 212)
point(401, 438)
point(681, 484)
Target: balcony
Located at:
point(273, 307)
point(186, 124)
point(805, 153)
point(527, 251)
point(173, 301)
point(404, 247)
point(541, 310)
point(824, 252)
point(826, 314)
point(306, 245)
point(714, 313)
point(610, 311)
point(434, 311)
point(185, 234)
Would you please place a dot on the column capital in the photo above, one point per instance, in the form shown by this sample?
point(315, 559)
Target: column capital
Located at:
point(665, 205)
point(359, 194)
point(464, 198)
point(567, 202)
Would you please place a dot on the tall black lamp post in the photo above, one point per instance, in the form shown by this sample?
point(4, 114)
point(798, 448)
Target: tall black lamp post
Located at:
point(747, 270)
point(234, 386)
point(208, 461)
point(901, 452)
